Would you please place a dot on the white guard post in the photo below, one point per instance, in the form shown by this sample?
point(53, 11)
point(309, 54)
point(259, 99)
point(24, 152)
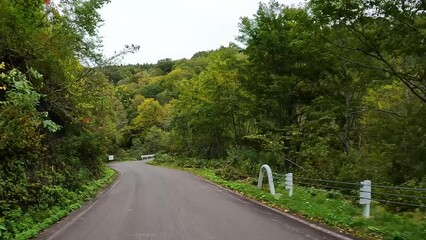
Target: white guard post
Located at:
point(148, 157)
point(289, 183)
point(270, 179)
point(365, 197)
point(111, 157)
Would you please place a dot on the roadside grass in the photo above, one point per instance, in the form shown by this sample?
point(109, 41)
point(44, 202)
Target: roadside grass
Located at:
point(21, 225)
point(327, 207)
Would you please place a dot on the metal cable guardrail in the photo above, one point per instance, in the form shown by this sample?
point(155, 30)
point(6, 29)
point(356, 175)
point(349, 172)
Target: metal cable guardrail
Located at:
point(365, 190)
point(328, 181)
point(397, 195)
point(325, 186)
point(400, 203)
point(393, 202)
point(399, 188)
point(357, 184)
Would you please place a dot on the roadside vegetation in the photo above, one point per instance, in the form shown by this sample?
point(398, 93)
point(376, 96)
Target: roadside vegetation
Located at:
point(332, 90)
point(327, 91)
point(57, 121)
point(329, 207)
point(58, 202)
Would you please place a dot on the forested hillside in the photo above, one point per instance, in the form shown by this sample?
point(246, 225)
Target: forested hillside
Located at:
point(335, 91)
point(56, 113)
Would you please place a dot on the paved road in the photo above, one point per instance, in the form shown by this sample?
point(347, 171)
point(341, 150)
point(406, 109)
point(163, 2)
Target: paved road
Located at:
point(156, 203)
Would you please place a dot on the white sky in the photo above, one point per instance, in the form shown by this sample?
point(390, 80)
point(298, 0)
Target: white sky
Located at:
point(173, 28)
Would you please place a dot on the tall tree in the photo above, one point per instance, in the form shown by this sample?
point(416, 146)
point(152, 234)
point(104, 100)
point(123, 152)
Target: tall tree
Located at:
point(56, 115)
point(286, 64)
point(210, 111)
point(391, 33)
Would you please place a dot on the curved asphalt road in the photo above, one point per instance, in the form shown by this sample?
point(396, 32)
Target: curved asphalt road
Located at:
point(156, 203)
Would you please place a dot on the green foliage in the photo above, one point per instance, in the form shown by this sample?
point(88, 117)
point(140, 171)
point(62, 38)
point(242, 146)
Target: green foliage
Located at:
point(19, 118)
point(212, 107)
point(394, 130)
point(313, 76)
point(56, 117)
point(56, 202)
point(324, 206)
point(183, 162)
point(156, 140)
point(166, 65)
point(334, 90)
point(390, 33)
point(150, 113)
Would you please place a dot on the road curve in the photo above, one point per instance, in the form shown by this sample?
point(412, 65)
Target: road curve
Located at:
point(156, 203)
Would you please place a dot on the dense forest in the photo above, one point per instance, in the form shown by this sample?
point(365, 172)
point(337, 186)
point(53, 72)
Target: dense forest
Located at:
point(334, 90)
point(57, 114)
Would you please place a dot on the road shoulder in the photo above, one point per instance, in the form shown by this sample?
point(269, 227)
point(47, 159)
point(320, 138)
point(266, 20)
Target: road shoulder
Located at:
point(62, 224)
point(293, 217)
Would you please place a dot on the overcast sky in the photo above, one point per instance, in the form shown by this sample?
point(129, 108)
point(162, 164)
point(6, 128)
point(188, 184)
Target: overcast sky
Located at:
point(173, 28)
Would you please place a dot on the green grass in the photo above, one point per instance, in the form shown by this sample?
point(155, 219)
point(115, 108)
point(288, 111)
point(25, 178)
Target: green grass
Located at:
point(327, 207)
point(22, 225)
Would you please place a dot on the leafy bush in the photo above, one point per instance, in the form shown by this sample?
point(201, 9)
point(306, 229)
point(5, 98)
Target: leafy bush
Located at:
point(54, 203)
